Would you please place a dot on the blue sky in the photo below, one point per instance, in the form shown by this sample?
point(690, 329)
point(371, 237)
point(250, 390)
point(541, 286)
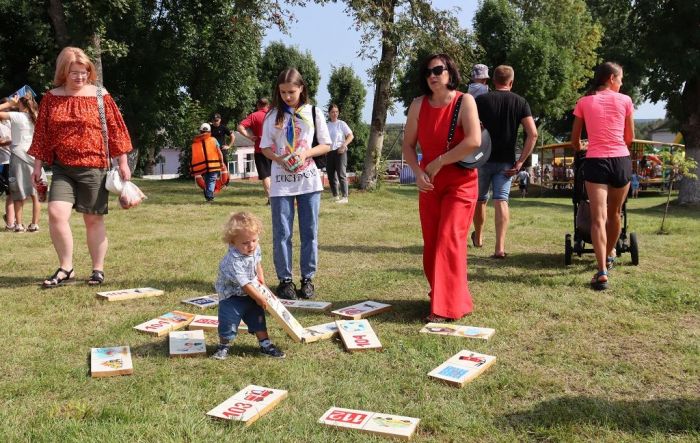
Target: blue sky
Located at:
point(328, 33)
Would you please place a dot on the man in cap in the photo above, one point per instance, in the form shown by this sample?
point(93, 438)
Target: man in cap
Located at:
point(480, 78)
point(219, 131)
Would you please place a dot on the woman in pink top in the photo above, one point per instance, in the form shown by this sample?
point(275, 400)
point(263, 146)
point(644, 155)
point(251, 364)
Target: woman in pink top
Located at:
point(609, 122)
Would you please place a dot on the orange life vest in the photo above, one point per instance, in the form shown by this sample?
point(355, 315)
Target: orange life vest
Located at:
point(205, 155)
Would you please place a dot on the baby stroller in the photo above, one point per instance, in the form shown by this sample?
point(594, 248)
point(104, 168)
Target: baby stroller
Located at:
point(582, 217)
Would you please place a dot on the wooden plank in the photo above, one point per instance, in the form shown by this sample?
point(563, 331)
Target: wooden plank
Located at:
point(187, 343)
point(320, 332)
point(371, 422)
point(108, 362)
point(128, 294)
point(358, 335)
point(170, 321)
point(203, 302)
point(248, 404)
point(280, 313)
point(462, 368)
point(361, 310)
point(306, 305)
point(211, 323)
point(458, 330)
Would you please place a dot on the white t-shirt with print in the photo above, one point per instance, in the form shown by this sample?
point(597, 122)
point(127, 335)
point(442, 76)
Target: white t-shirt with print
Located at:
point(5, 150)
point(307, 177)
point(22, 134)
point(338, 130)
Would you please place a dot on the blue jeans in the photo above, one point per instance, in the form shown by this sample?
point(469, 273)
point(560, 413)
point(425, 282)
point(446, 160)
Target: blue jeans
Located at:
point(283, 228)
point(492, 175)
point(210, 179)
point(234, 309)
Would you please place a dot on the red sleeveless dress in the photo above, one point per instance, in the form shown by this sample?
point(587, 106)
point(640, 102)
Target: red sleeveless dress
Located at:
point(446, 215)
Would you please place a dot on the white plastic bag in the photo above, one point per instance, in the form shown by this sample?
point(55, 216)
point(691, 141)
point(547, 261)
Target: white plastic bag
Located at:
point(130, 196)
point(114, 182)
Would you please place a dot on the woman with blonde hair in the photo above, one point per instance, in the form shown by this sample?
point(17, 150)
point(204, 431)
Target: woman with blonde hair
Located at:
point(68, 136)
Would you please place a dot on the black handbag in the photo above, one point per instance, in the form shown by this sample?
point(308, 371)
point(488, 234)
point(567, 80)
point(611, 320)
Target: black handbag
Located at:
point(477, 158)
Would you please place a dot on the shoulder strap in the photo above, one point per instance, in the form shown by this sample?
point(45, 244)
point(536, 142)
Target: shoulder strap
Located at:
point(453, 123)
point(313, 117)
point(103, 122)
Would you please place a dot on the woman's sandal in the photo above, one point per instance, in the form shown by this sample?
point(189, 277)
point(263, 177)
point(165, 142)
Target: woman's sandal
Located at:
point(600, 281)
point(474, 240)
point(96, 278)
point(610, 262)
point(433, 318)
point(55, 281)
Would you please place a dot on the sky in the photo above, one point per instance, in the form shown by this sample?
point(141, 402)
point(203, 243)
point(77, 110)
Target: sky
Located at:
point(327, 32)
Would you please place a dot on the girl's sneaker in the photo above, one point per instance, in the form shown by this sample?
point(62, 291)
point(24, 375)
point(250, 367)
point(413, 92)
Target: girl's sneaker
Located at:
point(33, 227)
point(272, 351)
point(221, 352)
point(307, 288)
point(20, 228)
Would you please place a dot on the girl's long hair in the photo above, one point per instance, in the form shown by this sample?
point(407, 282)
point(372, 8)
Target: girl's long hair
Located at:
point(292, 76)
point(30, 107)
point(602, 73)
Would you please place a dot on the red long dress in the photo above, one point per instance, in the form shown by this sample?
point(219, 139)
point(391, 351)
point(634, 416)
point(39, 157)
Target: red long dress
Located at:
point(446, 214)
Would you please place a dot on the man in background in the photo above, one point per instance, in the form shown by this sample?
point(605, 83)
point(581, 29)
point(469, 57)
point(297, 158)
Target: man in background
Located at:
point(480, 78)
point(219, 131)
point(251, 127)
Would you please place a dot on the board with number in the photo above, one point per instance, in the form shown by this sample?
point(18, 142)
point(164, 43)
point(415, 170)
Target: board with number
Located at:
point(306, 305)
point(320, 332)
point(170, 321)
point(361, 310)
point(372, 422)
point(107, 362)
point(280, 313)
point(203, 302)
point(358, 335)
point(248, 404)
point(187, 343)
point(458, 330)
point(462, 367)
point(128, 294)
point(211, 323)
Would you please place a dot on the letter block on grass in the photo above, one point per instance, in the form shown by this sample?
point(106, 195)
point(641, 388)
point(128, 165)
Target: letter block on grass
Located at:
point(320, 332)
point(361, 310)
point(248, 404)
point(462, 368)
point(458, 330)
point(358, 335)
point(306, 305)
point(372, 422)
point(187, 343)
point(128, 294)
point(280, 313)
point(170, 321)
point(211, 323)
point(203, 302)
point(107, 362)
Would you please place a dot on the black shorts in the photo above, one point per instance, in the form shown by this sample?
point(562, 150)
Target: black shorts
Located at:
point(613, 171)
point(5, 179)
point(263, 165)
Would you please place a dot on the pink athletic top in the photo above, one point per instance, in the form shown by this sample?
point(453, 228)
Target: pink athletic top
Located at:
point(604, 115)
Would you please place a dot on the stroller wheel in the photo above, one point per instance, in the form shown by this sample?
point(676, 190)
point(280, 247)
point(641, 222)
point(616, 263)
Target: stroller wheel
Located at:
point(568, 250)
point(634, 251)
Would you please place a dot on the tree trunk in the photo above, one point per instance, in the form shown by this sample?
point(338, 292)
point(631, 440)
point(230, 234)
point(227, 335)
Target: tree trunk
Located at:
point(98, 57)
point(58, 20)
point(689, 191)
point(382, 95)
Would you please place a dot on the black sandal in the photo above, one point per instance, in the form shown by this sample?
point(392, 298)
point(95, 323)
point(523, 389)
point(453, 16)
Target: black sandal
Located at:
point(55, 281)
point(96, 278)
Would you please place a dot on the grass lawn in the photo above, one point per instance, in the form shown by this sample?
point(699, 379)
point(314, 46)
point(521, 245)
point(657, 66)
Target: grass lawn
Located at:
point(573, 364)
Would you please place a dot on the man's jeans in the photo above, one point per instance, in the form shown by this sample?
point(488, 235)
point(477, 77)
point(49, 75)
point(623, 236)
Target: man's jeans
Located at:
point(210, 179)
point(283, 228)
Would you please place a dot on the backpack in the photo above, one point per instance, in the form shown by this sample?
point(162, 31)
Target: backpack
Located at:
point(320, 160)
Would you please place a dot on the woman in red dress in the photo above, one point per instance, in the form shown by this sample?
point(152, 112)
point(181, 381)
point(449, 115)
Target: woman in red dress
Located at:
point(448, 193)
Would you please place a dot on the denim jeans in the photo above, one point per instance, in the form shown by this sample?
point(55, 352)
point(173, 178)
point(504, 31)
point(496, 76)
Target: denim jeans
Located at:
point(234, 309)
point(283, 229)
point(210, 179)
point(493, 175)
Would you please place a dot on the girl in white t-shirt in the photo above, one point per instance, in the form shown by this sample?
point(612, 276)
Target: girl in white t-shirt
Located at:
point(288, 135)
point(341, 137)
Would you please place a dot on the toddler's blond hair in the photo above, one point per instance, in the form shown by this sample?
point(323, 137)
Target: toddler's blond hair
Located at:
point(239, 222)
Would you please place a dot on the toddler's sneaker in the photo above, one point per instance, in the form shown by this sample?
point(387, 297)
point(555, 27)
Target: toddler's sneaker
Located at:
point(307, 288)
point(221, 353)
point(272, 351)
point(287, 289)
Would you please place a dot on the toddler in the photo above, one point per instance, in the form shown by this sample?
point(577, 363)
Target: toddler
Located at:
point(240, 284)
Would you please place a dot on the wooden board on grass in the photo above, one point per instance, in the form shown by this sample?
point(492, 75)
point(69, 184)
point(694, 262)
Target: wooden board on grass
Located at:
point(107, 362)
point(170, 321)
point(203, 302)
point(187, 343)
point(372, 422)
point(320, 332)
point(458, 330)
point(128, 294)
point(248, 404)
point(462, 368)
point(306, 305)
point(211, 323)
point(361, 310)
point(280, 313)
point(357, 335)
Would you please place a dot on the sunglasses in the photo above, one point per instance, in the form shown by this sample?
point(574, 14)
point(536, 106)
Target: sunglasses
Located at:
point(435, 70)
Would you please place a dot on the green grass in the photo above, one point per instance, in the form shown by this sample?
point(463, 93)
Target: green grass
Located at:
point(573, 364)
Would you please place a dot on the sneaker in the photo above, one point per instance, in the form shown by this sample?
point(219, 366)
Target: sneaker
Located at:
point(287, 289)
point(336, 198)
point(307, 288)
point(20, 228)
point(33, 227)
point(272, 351)
point(342, 200)
point(221, 353)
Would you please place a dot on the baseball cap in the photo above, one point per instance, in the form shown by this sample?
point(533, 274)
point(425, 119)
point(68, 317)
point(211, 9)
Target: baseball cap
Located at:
point(217, 116)
point(480, 72)
point(205, 127)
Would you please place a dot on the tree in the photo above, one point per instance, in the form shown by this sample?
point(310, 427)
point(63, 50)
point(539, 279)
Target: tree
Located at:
point(347, 91)
point(278, 57)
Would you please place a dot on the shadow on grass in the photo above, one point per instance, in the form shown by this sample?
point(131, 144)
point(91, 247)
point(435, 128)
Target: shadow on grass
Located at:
point(21, 281)
point(529, 260)
point(645, 417)
point(369, 249)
